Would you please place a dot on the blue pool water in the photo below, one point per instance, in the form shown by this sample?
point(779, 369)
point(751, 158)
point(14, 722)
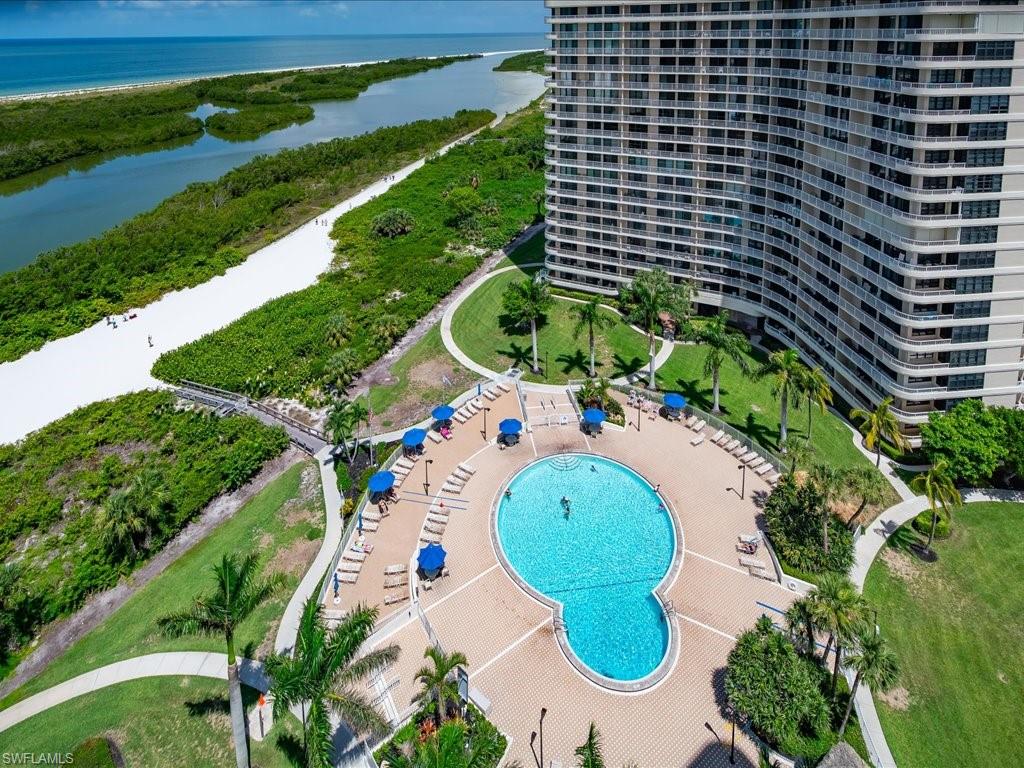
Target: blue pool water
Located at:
point(601, 561)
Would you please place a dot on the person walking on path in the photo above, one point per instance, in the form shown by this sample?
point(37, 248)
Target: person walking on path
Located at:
point(150, 340)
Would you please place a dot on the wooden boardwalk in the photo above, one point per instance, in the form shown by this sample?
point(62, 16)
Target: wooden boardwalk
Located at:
point(224, 402)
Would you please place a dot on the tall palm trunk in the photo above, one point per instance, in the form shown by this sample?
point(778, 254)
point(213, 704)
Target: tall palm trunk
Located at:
point(650, 350)
point(828, 647)
point(593, 353)
point(849, 705)
point(783, 414)
point(715, 375)
point(533, 334)
point(878, 454)
point(835, 667)
point(237, 708)
point(931, 533)
point(808, 418)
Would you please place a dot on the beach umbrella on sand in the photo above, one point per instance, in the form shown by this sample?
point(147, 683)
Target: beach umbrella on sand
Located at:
point(510, 426)
point(593, 415)
point(443, 412)
point(381, 482)
point(675, 401)
point(414, 438)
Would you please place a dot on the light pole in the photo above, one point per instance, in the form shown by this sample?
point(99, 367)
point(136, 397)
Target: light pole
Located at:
point(638, 415)
point(743, 481)
point(426, 476)
point(543, 711)
point(486, 411)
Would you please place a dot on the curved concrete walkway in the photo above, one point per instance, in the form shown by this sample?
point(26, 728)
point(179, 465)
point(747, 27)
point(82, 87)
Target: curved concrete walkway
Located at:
point(663, 354)
point(866, 549)
point(185, 663)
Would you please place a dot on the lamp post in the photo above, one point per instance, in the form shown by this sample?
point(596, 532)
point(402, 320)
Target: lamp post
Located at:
point(426, 475)
point(638, 415)
point(486, 411)
point(743, 481)
point(543, 711)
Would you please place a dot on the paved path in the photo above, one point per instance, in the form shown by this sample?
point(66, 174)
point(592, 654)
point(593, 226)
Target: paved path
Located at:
point(192, 663)
point(867, 548)
point(102, 362)
point(887, 467)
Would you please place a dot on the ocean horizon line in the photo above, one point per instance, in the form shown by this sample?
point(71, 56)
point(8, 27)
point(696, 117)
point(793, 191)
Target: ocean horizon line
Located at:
point(363, 36)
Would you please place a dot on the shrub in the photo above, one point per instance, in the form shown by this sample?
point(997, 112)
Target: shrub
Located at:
point(393, 222)
point(774, 687)
point(970, 437)
point(793, 515)
point(463, 203)
point(923, 524)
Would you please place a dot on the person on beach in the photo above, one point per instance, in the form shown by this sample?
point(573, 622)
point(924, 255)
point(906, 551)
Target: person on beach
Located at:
point(150, 340)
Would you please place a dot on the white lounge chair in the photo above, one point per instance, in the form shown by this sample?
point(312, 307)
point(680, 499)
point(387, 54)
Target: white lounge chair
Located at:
point(773, 479)
point(370, 525)
point(460, 417)
point(404, 463)
point(393, 582)
point(697, 440)
point(355, 557)
point(348, 578)
point(471, 409)
point(691, 420)
point(395, 569)
point(371, 514)
point(717, 436)
point(748, 457)
point(699, 426)
point(347, 567)
point(435, 437)
point(753, 562)
point(400, 471)
point(461, 475)
point(468, 468)
point(437, 510)
point(440, 519)
point(430, 538)
point(757, 461)
point(739, 450)
point(395, 597)
point(763, 469)
point(505, 386)
point(490, 395)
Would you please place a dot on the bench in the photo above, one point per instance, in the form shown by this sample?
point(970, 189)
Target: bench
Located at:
point(697, 440)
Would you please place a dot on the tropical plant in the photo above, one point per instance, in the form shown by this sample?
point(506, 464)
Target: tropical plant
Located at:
point(813, 384)
point(775, 688)
point(838, 609)
point(869, 485)
point(799, 451)
point(339, 329)
point(800, 618)
point(873, 664)
point(794, 515)
point(454, 745)
point(239, 592)
point(122, 524)
point(650, 294)
point(343, 424)
point(971, 438)
point(878, 426)
point(463, 205)
point(590, 318)
point(392, 223)
point(830, 481)
point(526, 302)
point(438, 680)
point(595, 393)
point(937, 487)
point(342, 367)
point(325, 673)
point(786, 372)
point(386, 329)
point(722, 343)
point(589, 753)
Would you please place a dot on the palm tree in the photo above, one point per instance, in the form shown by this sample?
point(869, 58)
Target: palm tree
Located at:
point(239, 592)
point(800, 621)
point(326, 673)
point(786, 371)
point(341, 368)
point(451, 746)
point(588, 755)
point(359, 415)
point(880, 425)
point(814, 386)
point(838, 609)
point(341, 425)
point(339, 329)
point(799, 451)
point(829, 481)
point(869, 485)
point(438, 681)
point(386, 329)
point(722, 343)
point(590, 317)
point(121, 524)
point(937, 486)
point(650, 294)
point(594, 393)
point(527, 302)
point(874, 664)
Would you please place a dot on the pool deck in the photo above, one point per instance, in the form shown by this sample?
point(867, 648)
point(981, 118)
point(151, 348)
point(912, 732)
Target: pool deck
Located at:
point(515, 661)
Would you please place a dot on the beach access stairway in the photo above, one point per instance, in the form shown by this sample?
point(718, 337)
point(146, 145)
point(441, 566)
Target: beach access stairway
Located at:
point(225, 402)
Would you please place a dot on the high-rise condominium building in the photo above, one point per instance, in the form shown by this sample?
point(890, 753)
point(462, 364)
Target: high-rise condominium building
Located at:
point(847, 176)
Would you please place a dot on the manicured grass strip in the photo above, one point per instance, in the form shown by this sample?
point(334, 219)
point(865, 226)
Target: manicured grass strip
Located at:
point(159, 722)
point(283, 523)
point(958, 630)
point(748, 405)
point(483, 332)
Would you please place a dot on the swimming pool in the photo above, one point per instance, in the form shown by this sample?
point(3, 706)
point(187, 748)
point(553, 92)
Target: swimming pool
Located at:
point(601, 560)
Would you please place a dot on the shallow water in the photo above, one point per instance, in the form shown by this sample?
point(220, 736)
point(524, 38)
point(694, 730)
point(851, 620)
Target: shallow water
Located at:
point(80, 200)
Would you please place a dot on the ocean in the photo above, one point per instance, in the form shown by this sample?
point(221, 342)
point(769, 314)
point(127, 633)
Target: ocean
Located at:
point(35, 66)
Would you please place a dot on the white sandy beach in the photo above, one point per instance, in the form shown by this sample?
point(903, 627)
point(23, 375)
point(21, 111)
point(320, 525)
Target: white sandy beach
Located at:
point(102, 362)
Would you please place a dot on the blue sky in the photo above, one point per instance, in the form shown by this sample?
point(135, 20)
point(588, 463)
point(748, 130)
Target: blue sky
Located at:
point(131, 18)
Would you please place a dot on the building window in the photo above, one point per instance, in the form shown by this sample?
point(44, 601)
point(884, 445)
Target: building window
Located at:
point(969, 333)
point(944, 76)
point(975, 235)
point(980, 209)
point(990, 105)
point(961, 358)
point(974, 284)
point(963, 309)
point(983, 183)
point(977, 260)
point(992, 78)
point(940, 103)
point(966, 381)
point(983, 158)
point(994, 50)
point(986, 132)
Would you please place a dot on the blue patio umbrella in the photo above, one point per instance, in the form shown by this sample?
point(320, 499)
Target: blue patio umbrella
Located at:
point(443, 412)
point(510, 426)
point(675, 401)
point(431, 557)
point(414, 438)
point(593, 415)
point(381, 482)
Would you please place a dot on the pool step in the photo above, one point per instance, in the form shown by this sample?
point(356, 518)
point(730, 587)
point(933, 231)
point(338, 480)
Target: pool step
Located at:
point(565, 463)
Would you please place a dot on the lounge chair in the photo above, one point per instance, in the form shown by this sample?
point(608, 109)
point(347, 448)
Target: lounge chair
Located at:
point(757, 461)
point(459, 417)
point(348, 578)
point(717, 436)
point(435, 437)
point(436, 510)
point(395, 569)
point(355, 557)
point(691, 420)
point(505, 386)
point(461, 475)
point(395, 597)
point(471, 409)
point(371, 514)
point(396, 581)
point(400, 471)
point(750, 538)
point(346, 567)
point(440, 519)
point(763, 469)
point(699, 426)
point(731, 445)
point(430, 538)
point(370, 525)
point(468, 468)
point(403, 463)
point(490, 395)
point(739, 450)
point(753, 562)
point(773, 479)
point(747, 457)
point(697, 440)
point(437, 528)
point(399, 479)
point(452, 480)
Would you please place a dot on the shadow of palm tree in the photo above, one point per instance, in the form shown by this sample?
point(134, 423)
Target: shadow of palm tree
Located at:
point(761, 433)
point(904, 538)
point(520, 355)
point(208, 706)
point(579, 362)
point(291, 747)
point(623, 367)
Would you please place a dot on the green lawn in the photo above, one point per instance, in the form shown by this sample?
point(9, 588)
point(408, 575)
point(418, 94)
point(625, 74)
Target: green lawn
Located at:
point(482, 331)
point(530, 252)
point(283, 522)
point(162, 722)
point(958, 630)
point(748, 405)
point(424, 376)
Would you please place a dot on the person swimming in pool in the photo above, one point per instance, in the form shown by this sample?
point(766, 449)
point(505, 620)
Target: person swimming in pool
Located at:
point(508, 493)
point(567, 505)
